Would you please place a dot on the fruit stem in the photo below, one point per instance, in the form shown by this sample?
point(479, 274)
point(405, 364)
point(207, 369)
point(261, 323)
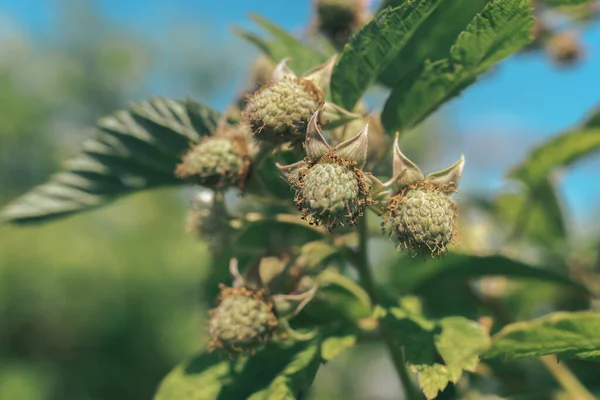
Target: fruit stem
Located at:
point(366, 279)
point(565, 377)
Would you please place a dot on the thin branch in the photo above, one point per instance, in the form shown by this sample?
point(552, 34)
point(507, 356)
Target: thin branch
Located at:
point(366, 279)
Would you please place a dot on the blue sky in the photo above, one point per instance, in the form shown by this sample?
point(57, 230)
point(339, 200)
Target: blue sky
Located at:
point(495, 121)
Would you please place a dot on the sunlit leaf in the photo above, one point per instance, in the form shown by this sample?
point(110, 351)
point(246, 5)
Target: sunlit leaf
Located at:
point(434, 37)
point(500, 30)
point(374, 47)
point(133, 150)
point(567, 334)
point(335, 344)
point(459, 343)
point(432, 379)
point(456, 341)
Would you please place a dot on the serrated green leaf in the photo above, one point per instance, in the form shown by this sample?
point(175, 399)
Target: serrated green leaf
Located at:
point(134, 149)
point(372, 49)
point(415, 333)
point(411, 278)
point(433, 39)
point(500, 30)
point(282, 45)
point(566, 334)
point(535, 214)
point(560, 151)
point(455, 340)
point(279, 372)
point(432, 379)
point(459, 344)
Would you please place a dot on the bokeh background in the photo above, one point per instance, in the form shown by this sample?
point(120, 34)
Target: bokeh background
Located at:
point(102, 305)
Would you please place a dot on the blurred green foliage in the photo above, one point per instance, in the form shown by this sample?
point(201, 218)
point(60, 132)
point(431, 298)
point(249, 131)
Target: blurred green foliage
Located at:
point(103, 305)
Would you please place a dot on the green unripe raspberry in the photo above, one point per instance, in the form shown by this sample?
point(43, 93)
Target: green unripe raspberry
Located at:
point(242, 321)
point(331, 192)
point(280, 111)
point(422, 219)
point(216, 161)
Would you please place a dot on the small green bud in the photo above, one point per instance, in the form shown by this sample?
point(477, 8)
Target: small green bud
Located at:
point(242, 322)
point(217, 161)
point(422, 218)
point(279, 112)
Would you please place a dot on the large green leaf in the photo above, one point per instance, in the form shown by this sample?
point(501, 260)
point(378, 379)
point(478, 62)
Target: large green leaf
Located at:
point(373, 48)
point(133, 150)
point(434, 37)
point(559, 151)
point(280, 371)
point(282, 45)
point(439, 350)
point(500, 30)
point(535, 214)
point(567, 334)
point(418, 274)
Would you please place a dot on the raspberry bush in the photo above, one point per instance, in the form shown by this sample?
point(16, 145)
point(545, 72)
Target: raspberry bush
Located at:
point(300, 178)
